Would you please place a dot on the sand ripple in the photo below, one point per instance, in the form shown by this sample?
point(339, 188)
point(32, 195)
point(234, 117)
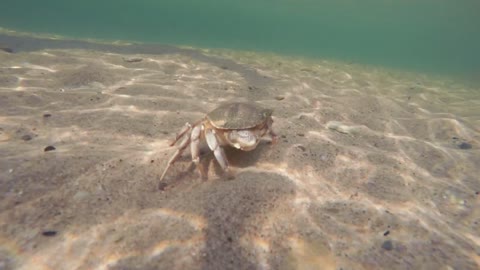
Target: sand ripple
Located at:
point(374, 169)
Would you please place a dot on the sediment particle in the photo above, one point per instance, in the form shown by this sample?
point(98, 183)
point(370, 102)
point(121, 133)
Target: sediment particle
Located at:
point(26, 137)
point(49, 233)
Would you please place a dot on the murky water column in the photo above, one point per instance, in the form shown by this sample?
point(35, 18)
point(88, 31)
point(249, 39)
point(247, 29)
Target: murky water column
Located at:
point(439, 37)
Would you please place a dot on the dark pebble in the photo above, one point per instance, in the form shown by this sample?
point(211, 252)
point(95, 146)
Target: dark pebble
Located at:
point(387, 245)
point(26, 137)
point(300, 134)
point(279, 97)
point(47, 115)
point(301, 147)
point(465, 145)
point(151, 161)
point(49, 148)
point(386, 233)
point(9, 50)
point(454, 138)
point(224, 67)
point(49, 233)
point(162, 186)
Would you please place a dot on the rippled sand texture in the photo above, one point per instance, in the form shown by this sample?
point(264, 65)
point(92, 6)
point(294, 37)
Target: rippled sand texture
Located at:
point(373, 169)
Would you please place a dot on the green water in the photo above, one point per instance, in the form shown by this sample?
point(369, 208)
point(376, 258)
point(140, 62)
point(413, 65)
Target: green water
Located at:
point(433, 36)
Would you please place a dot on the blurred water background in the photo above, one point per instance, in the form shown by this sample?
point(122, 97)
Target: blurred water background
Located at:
point(440, 37)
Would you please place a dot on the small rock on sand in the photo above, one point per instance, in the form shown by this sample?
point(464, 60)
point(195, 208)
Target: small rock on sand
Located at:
point(387, 245)
point(464, 146)
point(80, 195)
point(339, 127)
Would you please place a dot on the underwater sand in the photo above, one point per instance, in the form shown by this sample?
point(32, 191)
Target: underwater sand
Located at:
point(374, 169)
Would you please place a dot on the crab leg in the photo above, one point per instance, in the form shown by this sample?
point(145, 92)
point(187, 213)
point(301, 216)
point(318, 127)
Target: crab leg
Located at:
point(195, 148)
point(180, 134)
point(274, 137)
point(272, 134)
point(195, 144)
point(216, 148)
point(185, 142)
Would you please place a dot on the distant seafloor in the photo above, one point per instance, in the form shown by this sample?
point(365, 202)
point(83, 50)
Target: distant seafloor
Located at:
point(439, 37)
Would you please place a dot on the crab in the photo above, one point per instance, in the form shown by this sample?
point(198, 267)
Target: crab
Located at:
point(239, 124)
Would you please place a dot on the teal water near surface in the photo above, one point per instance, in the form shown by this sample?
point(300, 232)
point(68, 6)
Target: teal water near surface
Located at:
point(432, 36)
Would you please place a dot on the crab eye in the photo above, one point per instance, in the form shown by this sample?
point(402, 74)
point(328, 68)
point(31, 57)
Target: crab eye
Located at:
point(243, 138)
point(245, 135)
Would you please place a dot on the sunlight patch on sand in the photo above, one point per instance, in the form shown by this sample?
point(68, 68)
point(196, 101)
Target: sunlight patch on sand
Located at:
point(74, 250)
point(262, 248)
point(311, 255)
point(32, 66)
point(196, 221)
point(363, 158)
point(163, 246)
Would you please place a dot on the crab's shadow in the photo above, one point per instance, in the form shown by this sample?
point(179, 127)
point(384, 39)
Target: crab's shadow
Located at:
point(236, 159)
point(210, 167)
point(243, 159)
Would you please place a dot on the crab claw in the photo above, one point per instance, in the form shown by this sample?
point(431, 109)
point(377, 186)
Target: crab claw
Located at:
point(243, 139)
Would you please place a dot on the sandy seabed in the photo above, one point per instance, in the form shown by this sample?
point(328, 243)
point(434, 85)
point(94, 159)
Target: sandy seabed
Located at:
point(374, 169)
